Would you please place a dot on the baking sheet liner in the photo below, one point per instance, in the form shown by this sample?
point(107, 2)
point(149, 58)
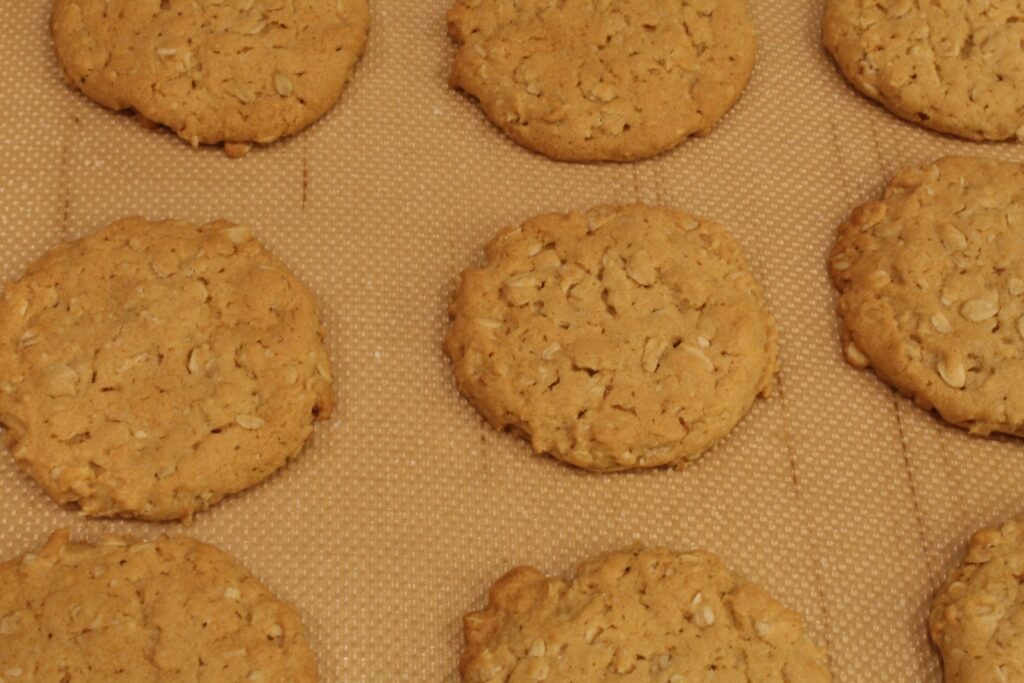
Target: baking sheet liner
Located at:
point(842, 498)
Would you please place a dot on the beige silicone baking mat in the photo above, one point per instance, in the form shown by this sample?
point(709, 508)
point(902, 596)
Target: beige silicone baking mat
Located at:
point(839, 496)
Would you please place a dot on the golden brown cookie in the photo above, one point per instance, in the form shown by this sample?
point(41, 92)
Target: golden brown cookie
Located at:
point(955, 67)
point(931, 282)
point(615, 80)
point(170, 610)
point(231, 71)
point(639, 615)
point(620, 338)
point(150, 369)
point(976, 616)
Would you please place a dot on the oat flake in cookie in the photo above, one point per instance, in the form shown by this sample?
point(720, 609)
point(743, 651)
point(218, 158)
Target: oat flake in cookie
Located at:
point(975, 618)
point(955, 67)
point(150, 369)
point(121, 610)
point(931, 282)
point(640, 615)
point(620, 338)
point(231, 71)
point(591, 80)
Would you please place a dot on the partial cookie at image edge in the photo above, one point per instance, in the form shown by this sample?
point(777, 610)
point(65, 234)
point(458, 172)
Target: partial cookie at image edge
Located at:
point(294, 74)
point(931, 278)
point(971, 619)
point(121, 608)
point(923, 76)
point(545, 114)
point(655, 613)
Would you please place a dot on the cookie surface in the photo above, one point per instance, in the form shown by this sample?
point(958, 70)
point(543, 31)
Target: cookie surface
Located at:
point(954, 68)
point(932, 290)
point(620, 80)
point(238, 72)
point(639, 615)
point(621, 338)
point(975, 617)
point(170, 610)
point(150, 369)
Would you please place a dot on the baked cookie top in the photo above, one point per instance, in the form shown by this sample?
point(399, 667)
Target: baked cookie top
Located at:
point(953, 67)
point(170, 610)
point(975, 618)
point(931, 282)
point(235, 71)
point(150, 369)
point(639, 615)
point(613, 80)
point(619, 338)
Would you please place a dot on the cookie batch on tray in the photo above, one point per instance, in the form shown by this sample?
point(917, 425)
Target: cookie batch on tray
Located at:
point(152, 368)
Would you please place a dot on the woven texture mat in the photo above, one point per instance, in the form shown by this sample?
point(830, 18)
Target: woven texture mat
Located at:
point(840, 497)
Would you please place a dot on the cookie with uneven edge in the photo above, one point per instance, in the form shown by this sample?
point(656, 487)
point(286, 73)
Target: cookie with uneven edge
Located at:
point(953, 67)
point(931, 282)
point(153, 368)
point(975, 617)
point(620, 338)
point(238, 72)
point(638, 615)
point(170, 610)
point(615, 80)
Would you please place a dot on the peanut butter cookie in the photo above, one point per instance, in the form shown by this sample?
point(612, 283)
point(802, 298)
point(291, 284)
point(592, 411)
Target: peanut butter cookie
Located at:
point(953, 67)
point(591, 80)
point(639, 615)
point(171, 610)
point(151, 369)
point(975, 619)
point(622, 338)
point(231, 71)
point(932, 290)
